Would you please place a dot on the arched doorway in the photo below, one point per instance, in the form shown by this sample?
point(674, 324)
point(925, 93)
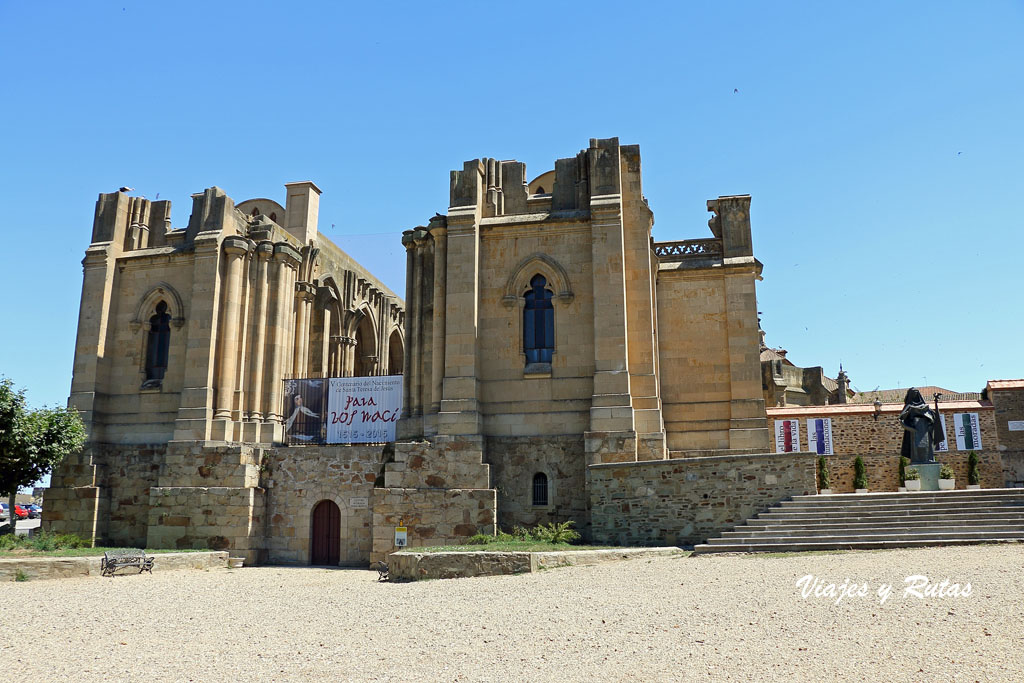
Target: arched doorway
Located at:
point(396, 355)
point(325, 548)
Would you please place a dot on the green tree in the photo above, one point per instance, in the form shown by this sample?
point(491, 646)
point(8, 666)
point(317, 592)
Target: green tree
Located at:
point(32, 442)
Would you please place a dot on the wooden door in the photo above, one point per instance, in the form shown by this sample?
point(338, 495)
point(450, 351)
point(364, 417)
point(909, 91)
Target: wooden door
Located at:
point(326, 542)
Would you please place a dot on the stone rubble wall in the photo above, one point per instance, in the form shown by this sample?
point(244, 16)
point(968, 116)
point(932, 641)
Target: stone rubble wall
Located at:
point(883, 470)
point(432, 516)
point(514, 462)
point(298, 478)
point(686, 501)
point(445, 462)
point(855, 429)
point(103, 493)
point(214, 518)
point(1009, 405)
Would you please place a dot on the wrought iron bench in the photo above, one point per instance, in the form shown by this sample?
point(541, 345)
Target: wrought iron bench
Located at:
point(382, 570)
point(125, 557)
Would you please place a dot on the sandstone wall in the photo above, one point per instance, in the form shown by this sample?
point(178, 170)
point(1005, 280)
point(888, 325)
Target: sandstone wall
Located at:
point(215, 518)
point(883, 470)
point(432, 516)
point(685, 501)
point(296, 479)
point(514, 462)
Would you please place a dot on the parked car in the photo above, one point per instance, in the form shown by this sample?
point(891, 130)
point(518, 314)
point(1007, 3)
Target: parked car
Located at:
point(19, 512)
point(33, 510)
point(3, 510)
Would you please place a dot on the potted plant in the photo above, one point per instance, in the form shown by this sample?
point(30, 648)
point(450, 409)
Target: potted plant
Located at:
point(946, 478)
point(904, 461)
point(860, 476)
point(823, 476)
point(973, 476)
point(913, 479)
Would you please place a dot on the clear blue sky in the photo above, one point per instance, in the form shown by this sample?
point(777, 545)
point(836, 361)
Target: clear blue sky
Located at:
point(881, 142)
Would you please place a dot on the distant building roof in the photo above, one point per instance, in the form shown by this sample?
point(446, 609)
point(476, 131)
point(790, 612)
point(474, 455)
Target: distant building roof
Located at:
point(897, 395)
point(998, 384)
point(775, 354)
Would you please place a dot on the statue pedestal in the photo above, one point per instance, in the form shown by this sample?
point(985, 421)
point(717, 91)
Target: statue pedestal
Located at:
point(929, 475)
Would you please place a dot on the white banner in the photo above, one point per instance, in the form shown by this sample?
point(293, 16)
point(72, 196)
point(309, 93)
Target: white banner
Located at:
point(968, 431)
point(363, 409)
point(944, 446)
point(819, 435)
point(787, 436)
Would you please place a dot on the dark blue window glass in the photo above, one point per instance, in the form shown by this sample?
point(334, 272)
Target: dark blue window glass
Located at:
point(538, 322)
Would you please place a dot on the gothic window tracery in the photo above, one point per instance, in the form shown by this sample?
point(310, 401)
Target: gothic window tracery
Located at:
point(158, 344)
point(538, 322)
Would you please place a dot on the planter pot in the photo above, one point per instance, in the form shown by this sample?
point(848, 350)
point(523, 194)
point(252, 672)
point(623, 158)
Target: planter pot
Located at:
point(913, 484)
point(946, 484)
point(825, 492)
point(236, 562)
point(860, 490)
point(901, 489)
point(973, 487)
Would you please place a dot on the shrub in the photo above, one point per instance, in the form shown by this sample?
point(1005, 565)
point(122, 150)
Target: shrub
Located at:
point(561, 532)
point(479, 539)
point(946, 472)
point(973, 476)
point(912, 474)
point(860, 474)
point(904, 461)
point(20, 575)
point(823, 475)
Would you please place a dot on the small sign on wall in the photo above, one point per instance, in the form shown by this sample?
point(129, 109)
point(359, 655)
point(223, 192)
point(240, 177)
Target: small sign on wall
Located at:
point(787, 436)
point(358, 502)
point(401, 536)
point(968, 431)
point(819, 435)
point(1015, 425)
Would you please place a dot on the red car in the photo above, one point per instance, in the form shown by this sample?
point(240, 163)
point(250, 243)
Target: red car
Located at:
point(19, 511)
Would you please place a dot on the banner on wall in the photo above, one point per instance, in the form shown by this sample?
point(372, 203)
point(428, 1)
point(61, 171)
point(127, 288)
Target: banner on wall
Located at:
point(363, 409)
point(819, 435)
point(944, 446)
point(304, 411)
point(787, 436)
point(968, 431)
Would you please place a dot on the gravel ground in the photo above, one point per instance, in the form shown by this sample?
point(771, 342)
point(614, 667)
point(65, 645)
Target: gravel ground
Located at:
point(695, 618)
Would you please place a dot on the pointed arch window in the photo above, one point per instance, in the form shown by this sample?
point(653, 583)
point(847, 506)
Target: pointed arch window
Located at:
point(538, 322)
point(158, 344)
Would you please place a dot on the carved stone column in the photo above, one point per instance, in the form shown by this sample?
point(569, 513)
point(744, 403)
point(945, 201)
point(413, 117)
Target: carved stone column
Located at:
point(234, 249)
point(348, 356)
point(285, 259)
point(304, 293)
point(439, 231)
point(263, 254)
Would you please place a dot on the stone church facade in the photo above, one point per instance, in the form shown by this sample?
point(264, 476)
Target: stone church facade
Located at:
point(185, 338)
point(558, 365)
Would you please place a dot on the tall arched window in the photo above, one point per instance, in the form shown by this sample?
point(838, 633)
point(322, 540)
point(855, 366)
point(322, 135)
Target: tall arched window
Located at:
point(538, 322)
point(158, 344)
point(540, 489)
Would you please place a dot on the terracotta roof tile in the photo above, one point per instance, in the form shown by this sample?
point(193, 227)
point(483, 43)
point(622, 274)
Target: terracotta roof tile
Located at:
point(897, 395)
point(998, 384)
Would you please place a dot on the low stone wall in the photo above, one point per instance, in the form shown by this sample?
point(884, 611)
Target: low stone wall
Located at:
point(432, 516)
point(412, 566)
point(45, 568)
point(883, 470)
point(686, 501)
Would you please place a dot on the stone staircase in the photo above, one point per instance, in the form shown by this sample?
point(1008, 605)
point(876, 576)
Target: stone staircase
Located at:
point(879, 520)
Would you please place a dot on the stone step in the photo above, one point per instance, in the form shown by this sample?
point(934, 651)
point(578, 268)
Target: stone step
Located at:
point(905, 499)
point(1010, 513)
point(860, 537)
point(847, 545)
point(901, 494)
point(754, 525)
point(951, 530)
